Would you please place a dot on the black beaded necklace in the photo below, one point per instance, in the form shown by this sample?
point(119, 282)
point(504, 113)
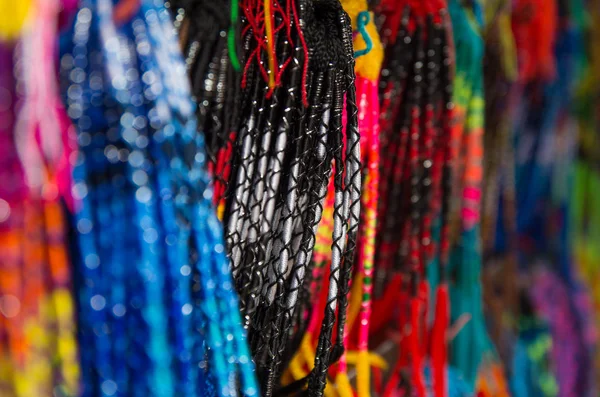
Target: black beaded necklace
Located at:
point(297, 82)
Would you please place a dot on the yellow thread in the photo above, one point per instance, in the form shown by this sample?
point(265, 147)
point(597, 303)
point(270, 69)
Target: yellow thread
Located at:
point(363, 374)
point(303, 362)
point(13, 15)
point(342, 385)
point(330, 390)
point(304, 355)
point(374, 359)
point(67, 345)
point(270, 43)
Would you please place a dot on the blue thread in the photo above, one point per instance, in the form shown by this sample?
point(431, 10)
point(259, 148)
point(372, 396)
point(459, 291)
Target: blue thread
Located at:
point(364, 17)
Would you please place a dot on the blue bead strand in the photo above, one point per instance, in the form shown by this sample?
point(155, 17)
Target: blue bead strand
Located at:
point(156, 297)
point(77, 67)
point(199, 179)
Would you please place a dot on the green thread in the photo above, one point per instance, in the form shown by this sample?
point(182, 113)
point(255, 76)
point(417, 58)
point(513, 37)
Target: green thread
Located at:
point(231, 44)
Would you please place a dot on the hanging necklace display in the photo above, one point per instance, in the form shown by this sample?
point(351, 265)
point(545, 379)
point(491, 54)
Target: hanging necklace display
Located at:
point(498, 216)
point(585, 212)
point(38, 351)
point(471, 344)
point(140, 153)
point(368, 53)
point(545, 149)
point(280, 167)
point(415, 172)
point(10, 193)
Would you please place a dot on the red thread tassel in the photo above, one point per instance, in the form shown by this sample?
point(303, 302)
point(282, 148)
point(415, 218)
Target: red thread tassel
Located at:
point(417, 361)
point(438, 341)
point(424, 296)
